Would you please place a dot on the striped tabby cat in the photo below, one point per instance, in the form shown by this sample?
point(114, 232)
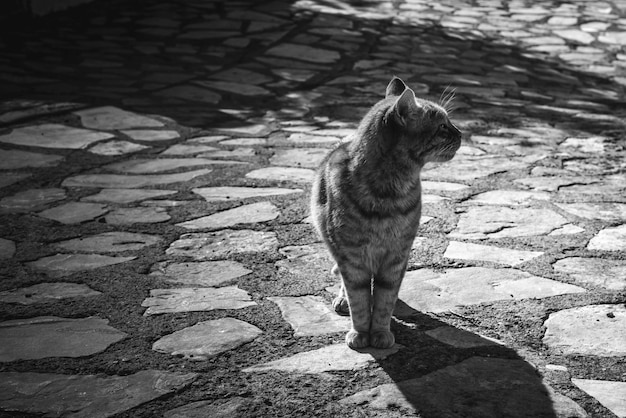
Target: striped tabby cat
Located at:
point(366, 205)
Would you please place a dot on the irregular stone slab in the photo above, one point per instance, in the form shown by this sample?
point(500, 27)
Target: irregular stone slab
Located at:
point(431, 291)
point(143, 215)
point(610, 394)
point(188, 149)
point(193, 93)
point(309, 261)
point(207, 339)
point(220, 194)
point(299, 157)
point(50, 336)
point(249, 130)
point(595, 330)
point(237, 88)
point(151, 135)
point(109, 117)
point(602, 211)
point(50, 135)
point(503, 222)
point(610, 274)
point(460, 338)
point(109, 242)
point(552, 184)
point(85, 396)
point(305, 53)
point(221, 244)
point(335, 357)
point(310, 315)
point(7, 249)
point(200, 274)
point(568, 229)
point(116, 148)
point(311, 139)
point(507, 256)
point(74, 212)
point(214, 409)
point(443, 186)
point(252, 213)
point(60, 265)
point(8, 179)
point(30, 200)
point(130, 182)
point(126, 195)
point(609, 239)
point(471, 168)
point(12, 159)
point(508, 197)
point(296, 175)
point(140, 166)
point(477, 387)
point(196, 299)
point(46, 292)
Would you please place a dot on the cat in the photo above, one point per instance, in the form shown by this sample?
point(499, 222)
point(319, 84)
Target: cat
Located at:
point(366, 205)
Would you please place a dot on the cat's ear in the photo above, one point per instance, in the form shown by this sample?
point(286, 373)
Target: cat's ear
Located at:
point(405, 106)
point(395, 87)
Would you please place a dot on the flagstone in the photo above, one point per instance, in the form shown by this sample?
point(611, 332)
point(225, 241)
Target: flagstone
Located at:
point(130, 181)
point(610, 274)
point(609, 393)
point(242, 75)
point(576, 35)
point(116, 148)
point(207, 339)
point(443, 186)
point(502, 222)
point(123, 196)
point(109, 242)
point(193, 93)
point(460, 338)
point(143, 215)
point(553, 184)
point(146, 166)
point(249, 130)
point(243, 89)
point(609, 239)
point(335, 357)
point(50, 135)
point(226, 193)
point(594, 330)
point(305, 53)
point(31, 200)
point(7, 179)
point(244, 153)
point(151, 135)
point(302, 138)
point(471, 168)
point(7, 249)
point(221, 244)
point(479, 387)
point(46, 292)
point(296, 175)
point(428, 290)
point(299, 157)
point(12, 159)
point(600, 211)
point(188, 149)
point(229, 408)
point(85, 396)
point(479, 252)
point(508, 197)
point(311, 260)
point(109, 117)
point(251, 213)
point(60, 265)
point(310, 315)
point(50, 336)
point(74, 212)
point(199, 274)
point(196, 299)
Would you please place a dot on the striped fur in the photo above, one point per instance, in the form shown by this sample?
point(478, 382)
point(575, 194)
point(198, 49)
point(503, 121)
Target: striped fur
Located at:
point(366, 205)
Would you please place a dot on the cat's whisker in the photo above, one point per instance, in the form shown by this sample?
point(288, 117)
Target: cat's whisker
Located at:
point(447, 104)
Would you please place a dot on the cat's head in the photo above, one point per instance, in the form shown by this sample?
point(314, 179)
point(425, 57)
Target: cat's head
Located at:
point(419, 127)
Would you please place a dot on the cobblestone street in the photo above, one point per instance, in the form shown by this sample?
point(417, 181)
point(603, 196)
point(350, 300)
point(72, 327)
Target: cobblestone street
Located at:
point(157, 258)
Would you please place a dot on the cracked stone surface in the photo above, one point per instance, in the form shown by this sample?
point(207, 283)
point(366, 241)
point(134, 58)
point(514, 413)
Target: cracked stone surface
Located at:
point(507, 256)
point(109, 242)
point(196, 299)
point(610, 274)
point(221, 244)
point(10, 160)
point(610, 394)
point(59, 265)
point(217, 194)
point(114, 181)
point(31, 200)
point(251, 213)
point(53, 136)
point(45, 292)
point(201, 273)
point(74, 212)
point(609, 239)
point(310, 315)
point(126, 195)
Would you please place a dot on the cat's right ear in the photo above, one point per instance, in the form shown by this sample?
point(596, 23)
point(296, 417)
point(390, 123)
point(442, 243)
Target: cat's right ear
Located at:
point(405, 106)
point(395, 87)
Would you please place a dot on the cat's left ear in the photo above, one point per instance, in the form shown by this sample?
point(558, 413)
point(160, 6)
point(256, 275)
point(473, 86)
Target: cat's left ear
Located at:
point(405, 106)
point(395, 87)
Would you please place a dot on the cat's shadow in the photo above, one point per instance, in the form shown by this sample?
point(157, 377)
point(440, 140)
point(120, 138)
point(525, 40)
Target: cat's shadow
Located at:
point(442, 371)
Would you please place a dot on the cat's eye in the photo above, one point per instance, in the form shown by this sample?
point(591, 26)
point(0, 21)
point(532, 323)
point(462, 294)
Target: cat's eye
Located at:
point(443, 126)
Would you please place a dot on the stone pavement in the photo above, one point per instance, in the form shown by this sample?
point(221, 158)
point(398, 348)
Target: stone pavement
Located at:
point(155, 250)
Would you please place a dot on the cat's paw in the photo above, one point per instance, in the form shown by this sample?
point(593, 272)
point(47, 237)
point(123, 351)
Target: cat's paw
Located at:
point(382, 339)
point(356, 339)
point(340, 305)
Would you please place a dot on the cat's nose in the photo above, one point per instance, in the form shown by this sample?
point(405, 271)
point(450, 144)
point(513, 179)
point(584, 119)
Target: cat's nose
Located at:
point(455, 131)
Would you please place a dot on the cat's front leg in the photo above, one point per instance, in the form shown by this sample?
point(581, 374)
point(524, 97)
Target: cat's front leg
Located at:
point(384, 297)
point(358, 289)
point(340, 303)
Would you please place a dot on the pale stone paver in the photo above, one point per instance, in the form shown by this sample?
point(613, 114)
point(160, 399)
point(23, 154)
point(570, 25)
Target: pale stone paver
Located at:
point(45, 292)
point(609, 239)
point(74, 212)
point(207, 339)
point(229, 408)
point(191, 148)
point(200, 274)
point(12, 159)
point(221, 244)
point(310, 315)
point(126, 195)
point(141, 166)
point(151, 135)
point(601, 211)
point(226, 193)
point(251, 213)
point(299, 157)
point(305, 53)
point(109, 117)
point(113, 181)
point(65, 264)
point(610, 394)
point(109, 242)
point(470, 251)
point(31, 200)
point(143, 215)
point(610, 274)
point(508, 197)
point(595, 330)
point(296, 175)
point(49, 336)
point(51, 135)
point(86, 395)
point(8, 179)
point(116, 148)
point(196, 299)
point(460, 338)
